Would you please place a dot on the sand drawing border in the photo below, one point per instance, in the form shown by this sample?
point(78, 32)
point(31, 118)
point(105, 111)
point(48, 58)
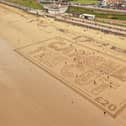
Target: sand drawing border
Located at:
point(64, 81)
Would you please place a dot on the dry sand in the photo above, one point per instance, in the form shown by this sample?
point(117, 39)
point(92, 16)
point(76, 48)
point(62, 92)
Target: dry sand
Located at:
point(32, 97)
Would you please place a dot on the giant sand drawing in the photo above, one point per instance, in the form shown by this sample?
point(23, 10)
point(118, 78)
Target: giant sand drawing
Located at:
point(97, 76)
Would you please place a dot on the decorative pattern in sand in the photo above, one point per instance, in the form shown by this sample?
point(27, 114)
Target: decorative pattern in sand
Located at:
point(96, 76)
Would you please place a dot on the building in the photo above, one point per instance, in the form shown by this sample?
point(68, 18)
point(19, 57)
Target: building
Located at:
point(112, 2)
point(87, 16)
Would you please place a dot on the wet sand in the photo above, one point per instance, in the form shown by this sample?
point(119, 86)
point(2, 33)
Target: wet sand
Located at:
point(29, 95)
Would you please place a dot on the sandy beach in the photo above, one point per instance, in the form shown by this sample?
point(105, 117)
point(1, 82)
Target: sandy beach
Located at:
point(56, 74)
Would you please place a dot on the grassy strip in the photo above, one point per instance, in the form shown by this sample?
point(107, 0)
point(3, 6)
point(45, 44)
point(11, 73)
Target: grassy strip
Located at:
point(98, 13)
point(107, 22)
point(85, 1)
point(28, 3)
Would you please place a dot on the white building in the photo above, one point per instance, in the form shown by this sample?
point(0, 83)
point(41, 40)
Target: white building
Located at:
point(87, 16)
